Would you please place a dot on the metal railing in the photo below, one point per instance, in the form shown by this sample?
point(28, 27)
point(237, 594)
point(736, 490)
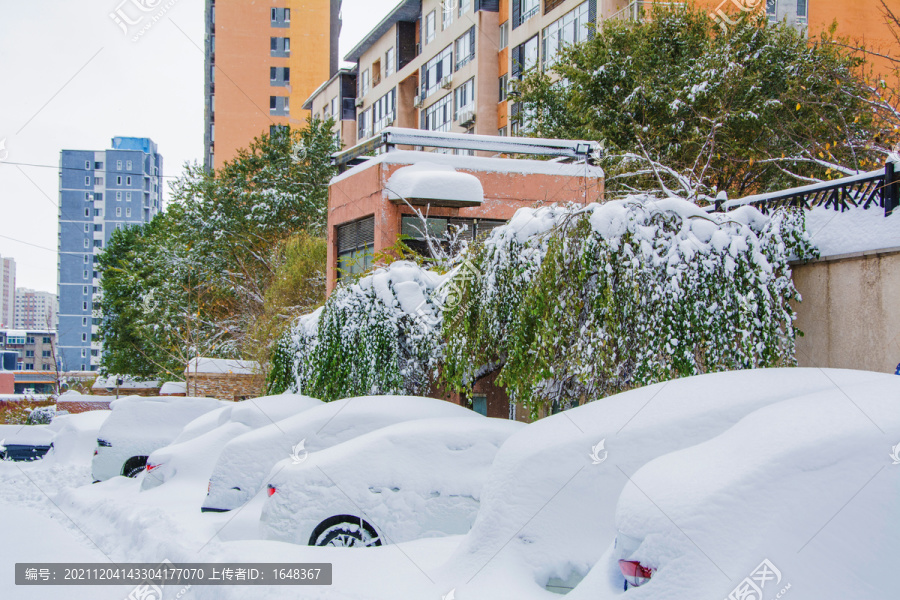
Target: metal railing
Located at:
point(880, 188)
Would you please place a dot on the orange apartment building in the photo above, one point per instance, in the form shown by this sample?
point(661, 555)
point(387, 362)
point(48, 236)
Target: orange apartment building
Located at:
point(446, 65)
point(263, 60)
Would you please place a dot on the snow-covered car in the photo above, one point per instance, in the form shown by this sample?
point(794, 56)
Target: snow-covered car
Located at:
point(245, 462)
point(192, 455)
point(139, 425)
point(802, 496)
point(548, 507)
point(27, 443)
point(403, 482)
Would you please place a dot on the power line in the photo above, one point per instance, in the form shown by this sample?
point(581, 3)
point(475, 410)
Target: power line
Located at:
point(28, 243)
point(6, 162)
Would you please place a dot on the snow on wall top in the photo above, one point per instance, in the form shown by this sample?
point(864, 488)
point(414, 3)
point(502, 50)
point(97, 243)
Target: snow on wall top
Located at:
point(127, 383)
point(173, 387)
point(476, 163)
point(855, 230)
point(222, 365)
point(433, 181)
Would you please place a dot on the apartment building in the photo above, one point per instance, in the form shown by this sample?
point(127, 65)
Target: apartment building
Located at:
point(263, 60)
point(336, 99)
point(8, 292)
point(35, 309)
point(99, 191)
point(34, 348)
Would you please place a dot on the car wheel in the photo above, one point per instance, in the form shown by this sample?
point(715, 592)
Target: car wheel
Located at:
point(134, 465)
point(344, 531)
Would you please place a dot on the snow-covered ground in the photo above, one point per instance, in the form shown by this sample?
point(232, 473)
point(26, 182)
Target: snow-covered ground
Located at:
point(712, 475)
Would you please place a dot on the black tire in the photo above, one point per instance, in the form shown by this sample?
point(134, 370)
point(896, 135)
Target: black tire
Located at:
point(345, 531)
point(134, 465)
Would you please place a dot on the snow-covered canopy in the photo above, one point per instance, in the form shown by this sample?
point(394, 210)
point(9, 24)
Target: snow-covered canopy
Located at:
point(222, 365)
point(441, 184)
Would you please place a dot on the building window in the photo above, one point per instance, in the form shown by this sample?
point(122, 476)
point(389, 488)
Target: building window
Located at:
point(279, 105)
point(504, 35)
point(87, 228)
point(376, 72)
point(280, 46)
point(45, 353)
point(118, 165)
point(128, 196)
point(87, 181)
point(128, 165)
point(364, 125)
point(383, 111)
point(98, 165)
point(436, 69)
point(86, 275)
point(801, 10)
point(504, 86)
point(364, 83)
point(464, 100)
point(86, 262)
point(83, 337)
point(46, 341)
point(524, 57)
point(87, 243)
point(522, 10)
point(336, 108)
point(771, 9)
point(281, 17)
point(571, 28)
point(429, 27)
point(389, 62)
point(118, 211)
point(128, 212)
point(356, 243)
point(128, 180)
point(502, 132)
point(87, 165)
point(447, 7)
point(438, 116)
point(29, 354)
point(465, 48)
point(278, 76)
point(29, 366)
point(464, 6)
point(118, 196)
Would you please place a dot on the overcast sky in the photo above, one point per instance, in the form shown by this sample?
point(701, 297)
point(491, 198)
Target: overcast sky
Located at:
point(71, 79)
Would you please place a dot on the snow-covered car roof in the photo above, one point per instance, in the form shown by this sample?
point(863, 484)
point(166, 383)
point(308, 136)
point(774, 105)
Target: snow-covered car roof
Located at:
point(245, 461)
point(547, 509)
point(393, 476)
point(808, 485)
point(153, 417)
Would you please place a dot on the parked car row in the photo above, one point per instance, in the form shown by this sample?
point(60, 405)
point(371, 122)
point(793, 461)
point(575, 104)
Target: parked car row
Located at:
point(602, 498)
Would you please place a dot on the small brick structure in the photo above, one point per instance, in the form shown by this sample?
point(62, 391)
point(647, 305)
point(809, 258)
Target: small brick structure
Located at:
point(224, 379)
point(77, 403)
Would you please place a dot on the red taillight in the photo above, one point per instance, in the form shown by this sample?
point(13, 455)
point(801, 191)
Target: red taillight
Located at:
point(270, 490)
point(95, 452)
point(151, 467)
point(635, 573)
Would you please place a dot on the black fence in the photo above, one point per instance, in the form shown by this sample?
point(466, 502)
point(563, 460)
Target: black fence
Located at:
point(868, 190)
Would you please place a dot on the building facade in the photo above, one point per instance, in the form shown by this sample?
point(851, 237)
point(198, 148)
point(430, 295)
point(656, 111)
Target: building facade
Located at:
point(99, 191)
point(336, 99)
point(452, 65)
point(35, 349)
point(263, 60)
point(35, 309)
point(8, 293)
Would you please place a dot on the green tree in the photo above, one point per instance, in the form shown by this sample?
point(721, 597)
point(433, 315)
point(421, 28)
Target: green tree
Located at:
point(684, 106)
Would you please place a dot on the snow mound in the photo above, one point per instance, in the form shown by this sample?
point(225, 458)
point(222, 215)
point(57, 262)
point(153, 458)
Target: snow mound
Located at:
point(431, 181)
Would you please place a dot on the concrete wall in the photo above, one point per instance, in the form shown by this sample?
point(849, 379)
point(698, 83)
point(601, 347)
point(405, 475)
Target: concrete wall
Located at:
point(849, 313)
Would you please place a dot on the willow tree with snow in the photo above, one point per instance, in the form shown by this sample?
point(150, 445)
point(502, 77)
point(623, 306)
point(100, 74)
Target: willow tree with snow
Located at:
point(577, 303)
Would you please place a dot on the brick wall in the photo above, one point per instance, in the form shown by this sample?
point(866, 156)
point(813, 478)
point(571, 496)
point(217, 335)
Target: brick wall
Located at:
point(225, 386)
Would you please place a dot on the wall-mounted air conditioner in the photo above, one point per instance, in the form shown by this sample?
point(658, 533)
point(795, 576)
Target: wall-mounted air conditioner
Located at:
point(446, 81)
point(360, 102)
point(467, 118)
point(418, 101)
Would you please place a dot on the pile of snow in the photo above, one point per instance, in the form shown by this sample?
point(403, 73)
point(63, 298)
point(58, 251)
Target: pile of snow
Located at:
point(128, 383)
point(26, 435)
point(431, 181)
point(807, 484)
point(854, 230)
point(171, 388)
point(75, 437)
point(222, 365)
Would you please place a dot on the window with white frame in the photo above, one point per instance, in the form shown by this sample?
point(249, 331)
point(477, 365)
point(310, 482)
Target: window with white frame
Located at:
point(118, 196)
point(87, 165)
point(504, 35)
point(87, 243)
point(118, 165)
point(438, 116)
point(118, 211)
point(447, 7)
point(128, 212)
point(525, 57)
point(429, 27)
point(87, 181)
point(119, 180)
point(364, 83)
point(464, 99)
point(465, 48)
point(383, 111)
point(390, 61)
point(771, 9)
point(504, 86)
point(435, 69)
point(522, 10)
point(127, 196)
point(128, 166)
point(464, 6)
point(571, 28)
point(365, 124)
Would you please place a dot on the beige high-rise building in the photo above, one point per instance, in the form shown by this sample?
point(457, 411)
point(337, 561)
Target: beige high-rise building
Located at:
point(8, 293)
point(35, 309)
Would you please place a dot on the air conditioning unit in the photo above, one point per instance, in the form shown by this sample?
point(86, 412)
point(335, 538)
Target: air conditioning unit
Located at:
point(360, 102)
point(446, 82)
point(418, 101)
point(467, 118)
point(512, 89)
